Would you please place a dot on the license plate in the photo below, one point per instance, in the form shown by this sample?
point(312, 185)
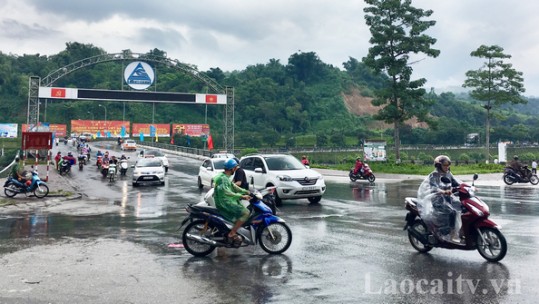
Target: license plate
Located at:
point(309, 188)
point(147, 177)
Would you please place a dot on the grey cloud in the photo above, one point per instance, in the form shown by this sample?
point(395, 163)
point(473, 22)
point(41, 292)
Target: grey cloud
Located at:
point(16, 30)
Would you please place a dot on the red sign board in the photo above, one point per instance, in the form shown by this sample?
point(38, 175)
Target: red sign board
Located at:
point(162, 130)
point(191, 129)
point(99, 126)
point(36, 140)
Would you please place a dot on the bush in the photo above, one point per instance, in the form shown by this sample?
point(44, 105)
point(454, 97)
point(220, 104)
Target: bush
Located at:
point(464, 158)
point(425, 159)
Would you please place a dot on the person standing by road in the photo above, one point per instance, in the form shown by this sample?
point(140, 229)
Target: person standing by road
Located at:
point(534, 166)
point(304, 160)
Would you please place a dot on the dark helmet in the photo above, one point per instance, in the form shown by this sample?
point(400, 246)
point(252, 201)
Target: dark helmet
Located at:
point(17, 158)
point(69, 154)
point(441, 160)
point(515, 157)
point(230, 164)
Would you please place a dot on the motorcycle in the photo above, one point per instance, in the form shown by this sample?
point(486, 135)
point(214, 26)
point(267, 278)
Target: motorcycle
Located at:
point(99, 162)
point(268, 198)
point(510, 176)
point(65, 167)
point(104, 169)
point(207, 229)
point(366, 174)
point(112, 172)
point(478, 232)
point(123, 167)
point(33, 184)
point(82, 161)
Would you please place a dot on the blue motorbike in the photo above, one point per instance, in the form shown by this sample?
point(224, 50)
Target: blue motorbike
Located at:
point(33, 185)
point(207, 229)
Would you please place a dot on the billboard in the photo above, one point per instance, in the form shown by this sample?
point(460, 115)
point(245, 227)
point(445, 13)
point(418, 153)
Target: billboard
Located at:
point(101, 128)
point(162, 130)
point(196, 130)
point(58, 130)
point(8, 130)
point(374, 151)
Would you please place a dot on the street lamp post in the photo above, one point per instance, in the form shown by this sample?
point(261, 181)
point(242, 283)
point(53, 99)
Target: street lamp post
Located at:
point(104, 107)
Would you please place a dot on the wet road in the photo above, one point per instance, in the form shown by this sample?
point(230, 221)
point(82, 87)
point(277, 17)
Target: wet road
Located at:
point(113, 246)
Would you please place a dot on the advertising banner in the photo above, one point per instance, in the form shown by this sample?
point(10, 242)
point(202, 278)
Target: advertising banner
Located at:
point(8, 130)
point(100, 128)
point(58, 130)
point(196, 130)
point(162, 130)
point(374, 151)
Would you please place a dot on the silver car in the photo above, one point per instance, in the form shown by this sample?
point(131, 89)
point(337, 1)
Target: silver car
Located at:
point(155, 154)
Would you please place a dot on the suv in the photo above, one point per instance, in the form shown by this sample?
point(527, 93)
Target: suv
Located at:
point(292, 179)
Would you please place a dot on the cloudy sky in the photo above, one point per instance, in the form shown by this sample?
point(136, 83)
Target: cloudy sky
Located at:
point(233, 34)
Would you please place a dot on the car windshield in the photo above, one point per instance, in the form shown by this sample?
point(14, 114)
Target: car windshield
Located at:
point(129, 141)
point(148, 162)
point(156, 153)
point(283, 162)
point(219, 164)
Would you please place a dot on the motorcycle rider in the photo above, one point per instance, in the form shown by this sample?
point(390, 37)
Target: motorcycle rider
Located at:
point(227, 198)
point(69, 159)
point(516, 165)
point(437, 207)
point(15, 170)
point(359, 166)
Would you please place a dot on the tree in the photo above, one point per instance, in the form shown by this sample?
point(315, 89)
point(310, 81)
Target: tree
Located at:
point(495, 83)
point(397, 31)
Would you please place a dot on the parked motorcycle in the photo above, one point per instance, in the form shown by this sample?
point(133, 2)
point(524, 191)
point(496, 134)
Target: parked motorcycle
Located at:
point(366, 174)
point(33, 184)
point(510, 176)
point(123, 167)
point(478, 231)
point(207, 229)
point(112, 172)
point(268, 198)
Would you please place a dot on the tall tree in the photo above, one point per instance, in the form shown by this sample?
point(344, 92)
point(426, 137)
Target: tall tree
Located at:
point(397, 31)
point(495, 83)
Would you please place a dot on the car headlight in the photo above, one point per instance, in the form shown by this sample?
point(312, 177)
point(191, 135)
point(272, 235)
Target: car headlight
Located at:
point(284, 178)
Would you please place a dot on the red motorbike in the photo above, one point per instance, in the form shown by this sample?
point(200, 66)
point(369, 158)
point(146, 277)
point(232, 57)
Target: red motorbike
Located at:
point(477, 230)
point(366, 174)
point(99, 162)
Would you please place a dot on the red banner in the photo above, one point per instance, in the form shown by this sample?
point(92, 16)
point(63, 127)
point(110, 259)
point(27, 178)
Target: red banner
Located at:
point(191, 129)
point(100, 128)
point(162, 130)
point(57, 129)
point(36, 140)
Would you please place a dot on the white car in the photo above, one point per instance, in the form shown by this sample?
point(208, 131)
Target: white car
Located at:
point(148, 170)
point(292, 179)
point(155, 154)
point(223, 155)
point(129, 145)
point(208, 170)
